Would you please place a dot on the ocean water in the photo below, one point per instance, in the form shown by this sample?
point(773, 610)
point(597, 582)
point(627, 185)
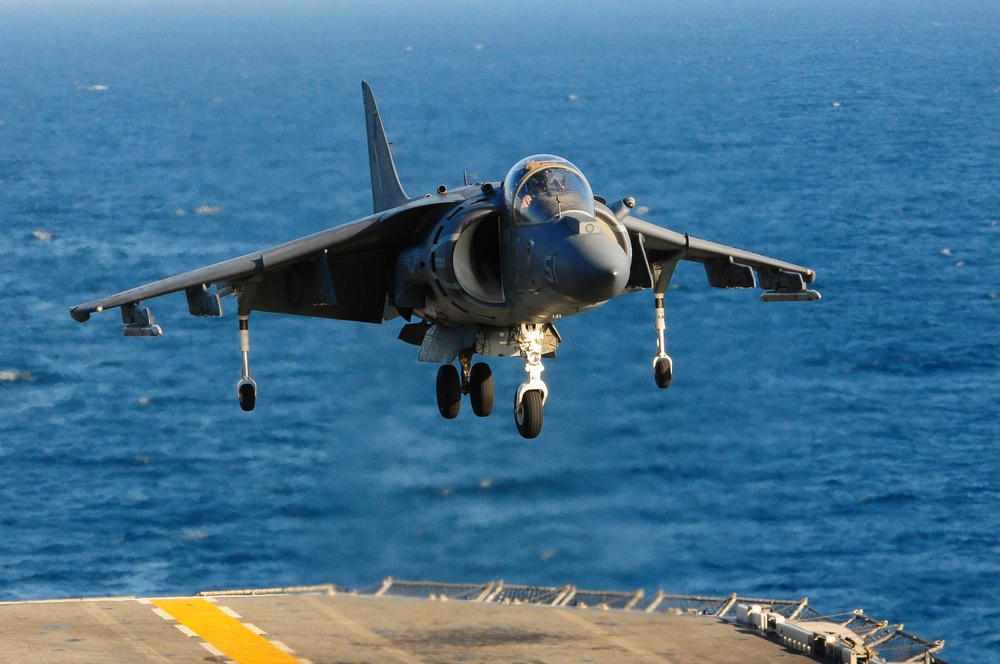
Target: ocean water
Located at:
point(843, 450)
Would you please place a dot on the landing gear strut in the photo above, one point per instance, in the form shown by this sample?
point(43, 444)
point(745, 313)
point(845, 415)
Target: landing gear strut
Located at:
point(529, 400)
point(663, 366)
point(247, 387)
point(476, 380)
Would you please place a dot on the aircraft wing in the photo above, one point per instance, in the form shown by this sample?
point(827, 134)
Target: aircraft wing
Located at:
point(336, 273)
point(726, 267)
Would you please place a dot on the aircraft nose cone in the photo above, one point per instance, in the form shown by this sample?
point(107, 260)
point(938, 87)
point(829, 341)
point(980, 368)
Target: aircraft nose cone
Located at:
point(591, 268)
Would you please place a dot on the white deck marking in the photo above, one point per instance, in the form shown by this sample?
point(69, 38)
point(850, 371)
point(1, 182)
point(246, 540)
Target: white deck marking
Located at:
point(186, 630)
point(229, 612)
point(256, 630)
point(215, 651)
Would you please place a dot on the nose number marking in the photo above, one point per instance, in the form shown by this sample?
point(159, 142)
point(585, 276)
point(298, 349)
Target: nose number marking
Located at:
point(550, 269)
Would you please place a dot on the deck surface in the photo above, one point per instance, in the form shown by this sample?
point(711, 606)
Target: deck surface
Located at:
point(343, 628)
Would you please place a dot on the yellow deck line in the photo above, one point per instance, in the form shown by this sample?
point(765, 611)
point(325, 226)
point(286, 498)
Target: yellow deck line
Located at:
point(229, 635)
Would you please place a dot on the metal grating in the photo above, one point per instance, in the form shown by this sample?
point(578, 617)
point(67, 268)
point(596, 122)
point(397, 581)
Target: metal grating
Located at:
point(584, 599)
point(885, 643)
point(668, 603)
point(905, 647)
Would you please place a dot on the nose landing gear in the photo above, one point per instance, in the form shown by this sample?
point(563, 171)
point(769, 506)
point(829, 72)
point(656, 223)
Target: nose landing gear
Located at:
point(529, 414)
point(529, 400)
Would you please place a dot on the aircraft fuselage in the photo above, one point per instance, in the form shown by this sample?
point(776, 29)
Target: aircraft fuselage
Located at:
point(501, 258)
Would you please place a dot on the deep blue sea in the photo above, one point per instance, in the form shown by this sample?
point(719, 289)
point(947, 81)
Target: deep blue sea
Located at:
point(844, 450)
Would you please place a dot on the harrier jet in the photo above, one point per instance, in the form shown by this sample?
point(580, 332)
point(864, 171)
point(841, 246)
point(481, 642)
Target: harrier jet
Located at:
point(485, 269)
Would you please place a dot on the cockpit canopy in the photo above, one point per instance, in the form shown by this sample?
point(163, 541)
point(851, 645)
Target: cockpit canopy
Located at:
point(539, 189)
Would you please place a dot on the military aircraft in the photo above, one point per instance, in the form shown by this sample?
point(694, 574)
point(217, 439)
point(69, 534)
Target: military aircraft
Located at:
point(485, 269)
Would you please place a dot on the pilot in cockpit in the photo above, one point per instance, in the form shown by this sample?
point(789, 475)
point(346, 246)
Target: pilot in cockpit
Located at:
point(539, 194)
point(541, 190)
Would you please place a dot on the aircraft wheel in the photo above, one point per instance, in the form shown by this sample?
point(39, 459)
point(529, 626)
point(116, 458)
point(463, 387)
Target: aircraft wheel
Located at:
point(481, 392)
point(528, 416)
point(663, 372)
point(449, 391)
point(248, 396)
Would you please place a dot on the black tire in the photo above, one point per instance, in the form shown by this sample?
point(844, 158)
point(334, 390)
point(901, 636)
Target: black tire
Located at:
point(528, 417)
point(663, 372)
point(248, 396)
point(481, 390)
point(449, 391)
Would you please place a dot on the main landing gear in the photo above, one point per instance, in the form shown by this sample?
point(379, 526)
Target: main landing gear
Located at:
point(476, 381)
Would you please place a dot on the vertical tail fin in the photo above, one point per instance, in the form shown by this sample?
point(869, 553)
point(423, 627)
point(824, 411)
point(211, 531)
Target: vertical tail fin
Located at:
point(387, 192)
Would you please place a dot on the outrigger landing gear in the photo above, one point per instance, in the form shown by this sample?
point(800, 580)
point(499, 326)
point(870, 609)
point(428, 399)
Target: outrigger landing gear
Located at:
point(663, 366)
point(529, 400)
point(247, 387)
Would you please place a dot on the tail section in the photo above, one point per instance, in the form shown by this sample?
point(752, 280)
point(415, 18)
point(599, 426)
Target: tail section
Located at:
point(387, 192)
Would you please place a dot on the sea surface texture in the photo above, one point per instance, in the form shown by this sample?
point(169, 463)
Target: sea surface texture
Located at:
point(844, 450)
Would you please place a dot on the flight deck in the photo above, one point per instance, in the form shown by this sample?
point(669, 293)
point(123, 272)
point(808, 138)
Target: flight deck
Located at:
point(409, 622)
